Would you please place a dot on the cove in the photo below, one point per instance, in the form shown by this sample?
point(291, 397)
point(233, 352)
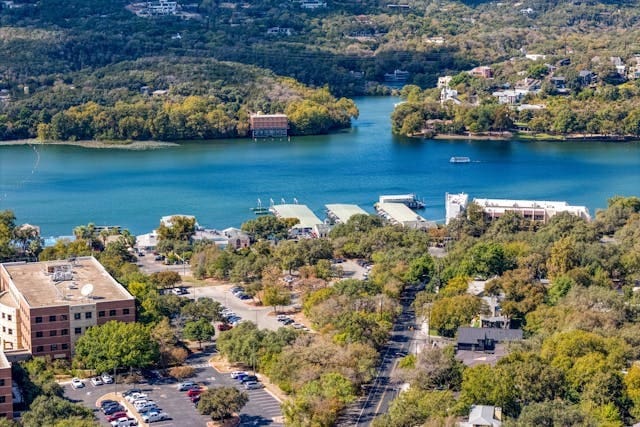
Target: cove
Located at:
point(59, 187)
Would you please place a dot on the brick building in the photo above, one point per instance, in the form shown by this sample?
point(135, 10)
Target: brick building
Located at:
point(46, 306)
point(6, 398)
point(269, 125)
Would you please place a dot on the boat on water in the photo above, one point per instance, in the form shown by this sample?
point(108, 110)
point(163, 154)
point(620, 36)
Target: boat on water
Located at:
point(259, 209)
point(456, 159)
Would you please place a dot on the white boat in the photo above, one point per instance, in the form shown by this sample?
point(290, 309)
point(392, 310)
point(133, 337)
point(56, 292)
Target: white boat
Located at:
point(459, 160)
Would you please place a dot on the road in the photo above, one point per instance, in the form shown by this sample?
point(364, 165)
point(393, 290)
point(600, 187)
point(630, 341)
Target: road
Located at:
point(384, 389)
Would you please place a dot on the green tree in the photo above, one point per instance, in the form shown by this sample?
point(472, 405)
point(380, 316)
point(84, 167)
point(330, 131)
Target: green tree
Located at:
point(7, 226)
point(222, 402)
point(448, 314)
point(180, 228)
point(275, 295)
point(116, 345)
point(53, 410)
point(199, 330)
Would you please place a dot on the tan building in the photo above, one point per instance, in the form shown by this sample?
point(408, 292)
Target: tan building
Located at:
point(46, 306)
point(6, 397)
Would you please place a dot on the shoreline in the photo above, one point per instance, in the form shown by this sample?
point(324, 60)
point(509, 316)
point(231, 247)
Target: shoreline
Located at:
point(124, 145)
point(516, 136)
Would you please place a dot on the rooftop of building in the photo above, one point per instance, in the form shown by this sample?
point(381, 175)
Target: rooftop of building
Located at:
point(344, 211)
point(399, 212)
point(54, 283)
point(4, 363)
point(305, 215)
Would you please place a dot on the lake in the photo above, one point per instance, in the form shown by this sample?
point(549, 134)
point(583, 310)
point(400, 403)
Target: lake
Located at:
point(59, 187)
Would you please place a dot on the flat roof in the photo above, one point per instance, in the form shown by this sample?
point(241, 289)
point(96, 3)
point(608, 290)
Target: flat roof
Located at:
point(400, 212)
point(343, 212)
point(39, 289)
point(4, 363)
point(302, 212)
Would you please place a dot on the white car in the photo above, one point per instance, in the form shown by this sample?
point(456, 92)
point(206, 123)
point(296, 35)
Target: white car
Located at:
point(136, 396)
point(124, 422)
point(236, 374)
point(147, 407)
point(107, 379)
point(153, 416)
point(77, 383)
point(140, 403)
point(96, 381)
point(187, 385)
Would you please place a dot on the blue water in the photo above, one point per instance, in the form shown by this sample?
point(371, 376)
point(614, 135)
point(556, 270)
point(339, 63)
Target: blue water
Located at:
point(59, 187)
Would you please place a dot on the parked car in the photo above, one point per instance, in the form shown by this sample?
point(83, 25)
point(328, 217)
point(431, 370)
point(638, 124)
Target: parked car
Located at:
point(236, 288)
point(131, 391)
point(96, 381)
point(288, 321)
point(248, 378)
point(77, 383)
point(153, 416)
point(187, 385)
point(135, 396)
point(106, 406)
point(117, 415)
point(147, 407)
point(180, 291)
point(194, 392)
point(106, 378)
point(124, 422)
point(252, 385)
point(241, 377)
point(107, 402)
point(224, 327)
point(236, 374)
point(244, 297)
point(110, 410)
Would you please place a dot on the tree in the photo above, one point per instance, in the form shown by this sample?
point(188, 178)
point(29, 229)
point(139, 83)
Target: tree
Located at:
point(202, 308)
point(222, 402)
point(50, 410)
point(179, 228)
point(275, 295)
point(7, 226)
point(266, 227)
point(448, 314)
point(116, 345)
point(199, 330)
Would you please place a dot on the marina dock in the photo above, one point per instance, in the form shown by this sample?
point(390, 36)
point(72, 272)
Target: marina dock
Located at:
point(400, 214)
point(341, 213)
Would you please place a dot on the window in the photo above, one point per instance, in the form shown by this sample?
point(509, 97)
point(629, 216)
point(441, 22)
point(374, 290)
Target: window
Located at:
point(1, 382)
point(38, 319)
point(112, 312)
point(3, 399)
point(87, 315)
point(39, 334)
point(54, 347)
point(4, 329)
point(10, 331)
point(125, 311)
point(65, 346)
point(64, 317)
point(53, 333)
point(101, 314)
point(76, 316)
point(3, 315)
point(39, 349)
point(52, 318)
point(77, 331)
point(64, 332)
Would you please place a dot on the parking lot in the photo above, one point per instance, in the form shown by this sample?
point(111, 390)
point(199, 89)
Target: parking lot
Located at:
point(261, 410)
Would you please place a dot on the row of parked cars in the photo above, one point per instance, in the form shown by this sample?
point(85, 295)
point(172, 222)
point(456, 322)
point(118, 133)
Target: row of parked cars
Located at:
point(248, 381)
point(105, 378)
point(288, 321)
point(146, 407)
point(230, 318)
point(238, 292)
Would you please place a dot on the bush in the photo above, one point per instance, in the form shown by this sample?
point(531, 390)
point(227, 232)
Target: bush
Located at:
point(182, 372)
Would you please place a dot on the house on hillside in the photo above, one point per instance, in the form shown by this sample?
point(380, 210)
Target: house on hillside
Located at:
point(586, 77)
point(482, 72)
point(483, 416)
point(485, 339)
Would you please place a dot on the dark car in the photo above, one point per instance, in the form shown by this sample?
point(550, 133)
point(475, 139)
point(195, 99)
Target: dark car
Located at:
point(131, 391)
point(249, 378)
point(107, 402)
point(110, 410)
point(241, 377)
point(224, 327)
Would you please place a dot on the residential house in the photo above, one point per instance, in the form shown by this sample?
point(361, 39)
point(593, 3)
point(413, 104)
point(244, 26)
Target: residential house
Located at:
point(485, 339)
point(279, 31)
point(482, 72)
point(528, 85)
point(559, 83)
point(237, 238)
point(535, 56)
point(443, 81)
point(397, 76)
point(483, 416)
point(621, 68)
point(586, 77)
point(509, 96)
point(449, 95)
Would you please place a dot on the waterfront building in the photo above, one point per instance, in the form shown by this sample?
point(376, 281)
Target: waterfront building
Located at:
point(46, 306)
point(400, 214)
point(309, 224)
point(268, 125)
point(455, 205)
point(341, 213)
point(540, 211)
point(409, 200)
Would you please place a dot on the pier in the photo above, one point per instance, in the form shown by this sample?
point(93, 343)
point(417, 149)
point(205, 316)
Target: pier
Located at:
point(341, 213)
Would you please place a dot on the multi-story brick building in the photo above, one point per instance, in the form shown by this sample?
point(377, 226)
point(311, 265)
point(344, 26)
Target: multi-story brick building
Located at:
point(46, 306)
point(6, 397)
point(268, 125)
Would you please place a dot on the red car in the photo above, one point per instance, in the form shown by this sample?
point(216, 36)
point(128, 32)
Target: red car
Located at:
point(224, 327)
point(117, 415)
point(194, 392)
